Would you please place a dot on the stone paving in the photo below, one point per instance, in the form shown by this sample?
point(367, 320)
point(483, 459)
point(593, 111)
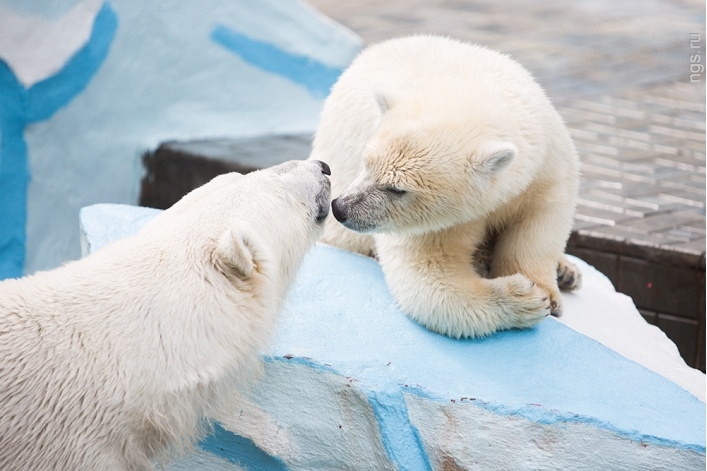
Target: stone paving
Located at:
point(619, 73)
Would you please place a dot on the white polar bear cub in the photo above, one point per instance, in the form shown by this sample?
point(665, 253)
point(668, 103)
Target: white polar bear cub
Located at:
point(109, 362)
point(438, 147)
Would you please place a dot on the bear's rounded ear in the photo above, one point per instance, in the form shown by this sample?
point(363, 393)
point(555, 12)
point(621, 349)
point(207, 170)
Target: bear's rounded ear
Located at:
point(383, 101)
point(234, 254)
point(496, 156)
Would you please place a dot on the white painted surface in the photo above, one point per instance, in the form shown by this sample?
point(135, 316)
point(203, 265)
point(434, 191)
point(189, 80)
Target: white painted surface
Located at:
point(309, 417)
point(461, 436)
point(615, 322)
point(37, 45)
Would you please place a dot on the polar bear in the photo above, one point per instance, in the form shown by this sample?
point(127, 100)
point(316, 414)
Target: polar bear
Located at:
point(109, 362)
point(441, 148)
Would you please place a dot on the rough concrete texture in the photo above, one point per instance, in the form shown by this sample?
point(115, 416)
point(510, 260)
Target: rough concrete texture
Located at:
point(351, 383)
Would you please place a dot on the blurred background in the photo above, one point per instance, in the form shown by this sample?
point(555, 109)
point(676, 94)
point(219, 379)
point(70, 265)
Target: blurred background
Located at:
point(133, 101)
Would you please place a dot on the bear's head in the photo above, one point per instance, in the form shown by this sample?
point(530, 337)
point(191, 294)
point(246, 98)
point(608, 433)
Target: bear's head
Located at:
point(425, 171)
point(259, 224)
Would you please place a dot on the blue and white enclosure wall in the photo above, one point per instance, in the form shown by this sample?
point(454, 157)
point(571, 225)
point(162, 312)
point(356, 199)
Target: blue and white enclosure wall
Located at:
point(86, 86)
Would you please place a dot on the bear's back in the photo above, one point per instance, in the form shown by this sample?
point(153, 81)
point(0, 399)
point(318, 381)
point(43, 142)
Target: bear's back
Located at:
point(424, 62)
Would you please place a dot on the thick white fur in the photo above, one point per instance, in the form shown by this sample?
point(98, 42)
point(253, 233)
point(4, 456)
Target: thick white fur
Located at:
point(110, 362)
point(480, 152)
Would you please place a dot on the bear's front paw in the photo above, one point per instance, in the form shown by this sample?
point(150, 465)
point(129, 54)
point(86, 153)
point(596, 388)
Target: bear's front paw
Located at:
point(569, 278)
point(525, 302)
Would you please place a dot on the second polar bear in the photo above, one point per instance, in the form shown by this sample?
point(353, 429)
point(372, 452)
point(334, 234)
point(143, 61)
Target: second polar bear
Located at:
point(112, 361)
point(436, 148)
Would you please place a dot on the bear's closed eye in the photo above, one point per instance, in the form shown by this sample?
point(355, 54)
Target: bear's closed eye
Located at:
point(395, 191)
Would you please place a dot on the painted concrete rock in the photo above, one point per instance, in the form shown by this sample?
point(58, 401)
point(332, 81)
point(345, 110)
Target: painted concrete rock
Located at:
point(86, 86)
point(352, 383)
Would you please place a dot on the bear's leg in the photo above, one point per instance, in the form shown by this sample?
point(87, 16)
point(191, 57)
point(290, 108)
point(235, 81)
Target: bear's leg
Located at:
point(437, 286)
point(534, 247)
point(569, 277)
point(337, 235)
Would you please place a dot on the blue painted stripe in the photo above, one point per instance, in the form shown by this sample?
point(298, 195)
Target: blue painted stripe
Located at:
point(14, 175)
point(316, 77)
point(240, 450)
point(401, 439)
point(18, 108)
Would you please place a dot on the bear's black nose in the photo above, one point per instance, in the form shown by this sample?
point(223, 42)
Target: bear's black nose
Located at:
point(325, 168)
point(338, 211)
